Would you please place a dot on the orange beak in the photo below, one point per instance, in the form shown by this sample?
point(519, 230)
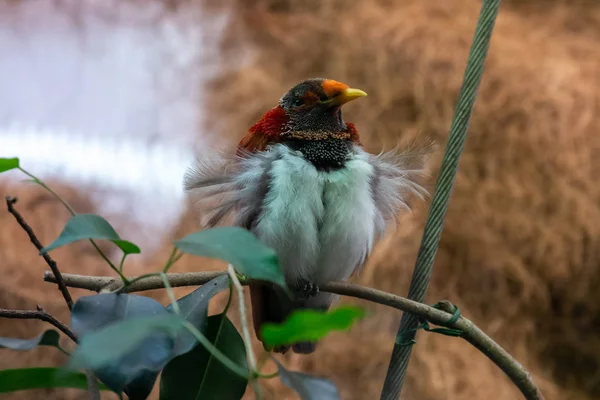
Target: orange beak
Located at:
point(340, 93)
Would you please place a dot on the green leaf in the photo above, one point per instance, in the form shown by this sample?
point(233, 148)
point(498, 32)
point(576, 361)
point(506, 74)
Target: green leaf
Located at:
point(197, 375)
point(6, 164)
point(135, 372)
point(48, 338)
point(194, 308)
point(240, 248)
point(308, 387)
point(95, 312)
point(101, 348)
point(12, 380)
point(310, 325)
point(90, 226)
point(128, 355)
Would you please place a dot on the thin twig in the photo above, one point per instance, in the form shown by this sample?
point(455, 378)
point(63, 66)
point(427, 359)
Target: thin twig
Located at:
point(173, 258)
point(110, 263)
point(93, 388)
point(170, 293)
point(471, 333)
point(73, 213)
point(245, 330)
point(10, 202)
point(122, 262)
point(52, 192)
point(244, 320)
point(38, 314)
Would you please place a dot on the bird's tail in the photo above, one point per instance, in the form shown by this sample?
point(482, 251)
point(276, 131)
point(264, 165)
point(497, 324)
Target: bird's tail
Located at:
point(270, 305)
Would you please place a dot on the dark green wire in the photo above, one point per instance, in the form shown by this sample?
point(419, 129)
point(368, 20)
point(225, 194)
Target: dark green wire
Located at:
point(441, 198)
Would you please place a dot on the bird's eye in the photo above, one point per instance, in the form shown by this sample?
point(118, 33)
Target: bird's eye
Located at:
point(298, 101)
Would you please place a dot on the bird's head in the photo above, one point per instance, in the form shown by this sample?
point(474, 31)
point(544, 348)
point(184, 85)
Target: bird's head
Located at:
point(308, 111)
point(314, 106)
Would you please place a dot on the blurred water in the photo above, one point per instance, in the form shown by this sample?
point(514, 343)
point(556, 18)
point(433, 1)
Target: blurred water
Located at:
point(104, 95)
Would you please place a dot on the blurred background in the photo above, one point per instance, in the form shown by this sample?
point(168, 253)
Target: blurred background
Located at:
point(106, 101)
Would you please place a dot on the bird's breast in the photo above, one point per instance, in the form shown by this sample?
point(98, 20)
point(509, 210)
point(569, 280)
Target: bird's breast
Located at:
point(320, 222)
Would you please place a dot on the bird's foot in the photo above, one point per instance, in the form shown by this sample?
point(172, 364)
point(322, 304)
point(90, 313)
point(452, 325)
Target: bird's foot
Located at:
point(304, 347)
point(281, 349)
point(305, 290)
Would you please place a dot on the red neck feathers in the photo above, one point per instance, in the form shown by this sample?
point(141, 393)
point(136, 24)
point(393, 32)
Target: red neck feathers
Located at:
point(271, 124)
point(267, 130)
point(354, 137)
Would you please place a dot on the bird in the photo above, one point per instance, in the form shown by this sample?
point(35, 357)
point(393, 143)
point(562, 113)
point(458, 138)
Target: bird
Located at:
point(302, 182)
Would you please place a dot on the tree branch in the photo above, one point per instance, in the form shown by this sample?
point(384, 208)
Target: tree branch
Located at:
point(98, 283)
point(10, 202)
point(38, 314)
point(470, 332)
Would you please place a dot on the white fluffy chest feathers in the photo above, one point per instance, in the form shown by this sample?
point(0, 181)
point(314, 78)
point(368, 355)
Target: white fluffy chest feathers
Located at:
point(322, 224)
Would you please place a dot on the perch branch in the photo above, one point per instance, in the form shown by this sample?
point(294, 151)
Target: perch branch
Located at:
point(470, 332)
point(38, 314)
point(10, 202)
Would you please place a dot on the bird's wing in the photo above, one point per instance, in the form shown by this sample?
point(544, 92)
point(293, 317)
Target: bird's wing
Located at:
point(224, 184)
point(397, 176)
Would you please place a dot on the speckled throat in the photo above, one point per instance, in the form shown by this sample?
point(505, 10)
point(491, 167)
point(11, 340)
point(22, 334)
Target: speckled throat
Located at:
point(325, 154)
point(317, 135)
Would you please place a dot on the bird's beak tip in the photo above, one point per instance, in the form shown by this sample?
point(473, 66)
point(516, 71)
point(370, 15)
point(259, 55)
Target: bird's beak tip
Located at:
point(348, 95)
point(355, 93)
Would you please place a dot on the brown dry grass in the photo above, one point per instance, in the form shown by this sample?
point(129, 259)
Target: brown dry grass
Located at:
point(520, 251)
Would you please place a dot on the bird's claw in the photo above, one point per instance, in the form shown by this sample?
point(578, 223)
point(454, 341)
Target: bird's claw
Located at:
point(306, 289)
